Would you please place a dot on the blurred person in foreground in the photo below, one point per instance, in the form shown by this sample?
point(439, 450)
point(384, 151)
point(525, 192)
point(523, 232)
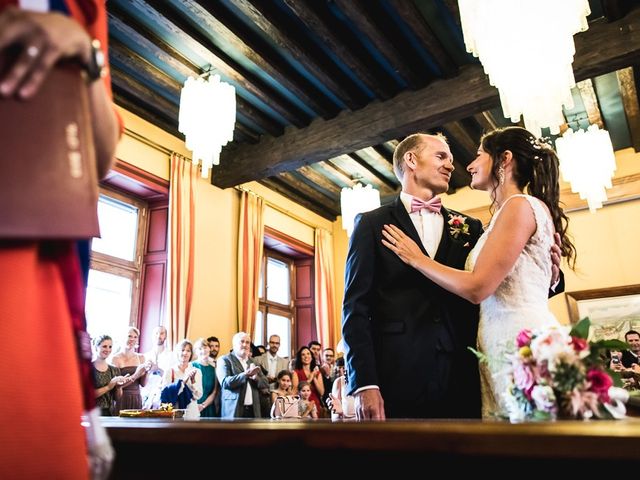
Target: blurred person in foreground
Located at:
point(42, 288)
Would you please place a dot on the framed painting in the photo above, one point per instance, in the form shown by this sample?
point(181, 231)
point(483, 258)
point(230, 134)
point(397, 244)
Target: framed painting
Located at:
point(612, 311)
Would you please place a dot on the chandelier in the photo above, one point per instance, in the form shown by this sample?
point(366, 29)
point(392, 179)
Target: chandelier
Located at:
point(355, 200)
point(207, 118)
point(587, 161)
point(526, 48)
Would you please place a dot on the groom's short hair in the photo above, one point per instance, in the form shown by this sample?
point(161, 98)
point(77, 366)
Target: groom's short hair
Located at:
point(408, 144)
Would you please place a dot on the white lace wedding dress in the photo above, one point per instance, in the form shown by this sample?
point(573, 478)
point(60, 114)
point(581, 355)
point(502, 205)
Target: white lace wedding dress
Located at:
point(519, 302)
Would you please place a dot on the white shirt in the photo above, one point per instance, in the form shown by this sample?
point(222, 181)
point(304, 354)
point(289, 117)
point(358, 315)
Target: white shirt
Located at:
point(428, 224)
point(248, 396)
point(273, 364)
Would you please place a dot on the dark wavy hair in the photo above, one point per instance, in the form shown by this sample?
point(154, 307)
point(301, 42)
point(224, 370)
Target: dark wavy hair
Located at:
point(297, 364)
point(536, 168)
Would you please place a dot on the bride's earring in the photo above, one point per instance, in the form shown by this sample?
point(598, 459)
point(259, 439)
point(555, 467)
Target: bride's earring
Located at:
point(501, 174)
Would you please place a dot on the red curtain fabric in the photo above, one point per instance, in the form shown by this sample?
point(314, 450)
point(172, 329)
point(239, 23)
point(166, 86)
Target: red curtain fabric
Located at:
point(182, 210)
point(324, 288)
point(250, 246)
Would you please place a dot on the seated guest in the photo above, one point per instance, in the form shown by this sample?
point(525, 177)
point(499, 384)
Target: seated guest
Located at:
point(107, 378)
point(240, 380)
point(284, 385)
point(306, 407)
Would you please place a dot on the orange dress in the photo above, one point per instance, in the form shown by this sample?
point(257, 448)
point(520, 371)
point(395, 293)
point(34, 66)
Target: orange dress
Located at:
point(41, 303)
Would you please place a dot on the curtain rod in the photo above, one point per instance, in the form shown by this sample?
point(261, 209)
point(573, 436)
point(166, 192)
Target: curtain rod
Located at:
point(151, 143)
point(278, 207)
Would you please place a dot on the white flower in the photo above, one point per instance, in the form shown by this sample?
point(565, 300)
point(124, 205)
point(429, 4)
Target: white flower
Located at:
point(617, 398)
point(553, 345)
point(544, 398)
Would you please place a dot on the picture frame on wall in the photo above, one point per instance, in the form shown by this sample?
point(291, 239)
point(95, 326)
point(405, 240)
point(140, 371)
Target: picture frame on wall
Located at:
point(613, 311)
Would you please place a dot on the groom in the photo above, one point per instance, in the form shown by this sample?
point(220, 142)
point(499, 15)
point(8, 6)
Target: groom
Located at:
point(405, 337)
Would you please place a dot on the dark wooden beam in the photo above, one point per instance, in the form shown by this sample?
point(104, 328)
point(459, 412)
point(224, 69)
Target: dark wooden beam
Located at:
point(334, 173)
point(379, 163)
point(224, 27)
point(629, 94)
point(486, 121)
point(279, 186)
point(323, 182)
point(134, 62)
point(354, 61)
point(359, 171)
point(414, 19)
point(361, 15)
point(198, 43)
point(384, 152)
point(129, 102)
point(288, 36)
point(601, 49)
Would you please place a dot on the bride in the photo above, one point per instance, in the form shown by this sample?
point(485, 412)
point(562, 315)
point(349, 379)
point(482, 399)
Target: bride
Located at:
point(509, 270)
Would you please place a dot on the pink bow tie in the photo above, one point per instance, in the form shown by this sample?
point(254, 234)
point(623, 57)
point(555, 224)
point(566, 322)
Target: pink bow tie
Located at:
point(432, 205)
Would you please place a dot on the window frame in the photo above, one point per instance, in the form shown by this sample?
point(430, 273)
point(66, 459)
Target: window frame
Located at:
point(131, 269)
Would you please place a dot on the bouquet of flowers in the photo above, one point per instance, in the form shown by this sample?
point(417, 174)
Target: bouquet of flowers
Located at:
point(559, 374)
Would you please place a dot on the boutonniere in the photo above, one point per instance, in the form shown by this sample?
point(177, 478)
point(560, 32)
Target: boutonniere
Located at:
point(458, 226)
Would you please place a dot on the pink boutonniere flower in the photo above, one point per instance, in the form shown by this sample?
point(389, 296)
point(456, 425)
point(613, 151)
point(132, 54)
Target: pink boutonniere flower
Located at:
point(458, 225)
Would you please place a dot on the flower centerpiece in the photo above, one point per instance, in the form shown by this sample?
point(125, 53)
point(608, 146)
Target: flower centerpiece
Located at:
point(556, 373)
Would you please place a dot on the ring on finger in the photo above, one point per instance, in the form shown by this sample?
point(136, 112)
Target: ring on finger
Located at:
point(32, 51)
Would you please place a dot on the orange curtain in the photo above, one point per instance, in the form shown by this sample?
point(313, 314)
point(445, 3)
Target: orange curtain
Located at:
point(250, 245)
point(182, 210)
point(324, 288)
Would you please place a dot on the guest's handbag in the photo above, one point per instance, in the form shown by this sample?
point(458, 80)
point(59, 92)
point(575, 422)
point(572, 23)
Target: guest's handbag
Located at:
point(285, 407)
point(48, 184)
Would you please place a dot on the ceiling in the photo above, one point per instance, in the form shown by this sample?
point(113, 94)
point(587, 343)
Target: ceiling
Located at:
point(326, 88)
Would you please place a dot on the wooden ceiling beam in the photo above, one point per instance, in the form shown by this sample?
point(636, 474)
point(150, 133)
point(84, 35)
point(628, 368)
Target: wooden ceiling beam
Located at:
point(486, 121)
point(629, 93)
point(277, 185)
point(278, 28)
point(222, 63)
point(222, 26)
point(122, 54)
point(379, 163)
point(361, 15)
point(599, 50)
point(306, 13)
point(410, 15)
point(315, 177)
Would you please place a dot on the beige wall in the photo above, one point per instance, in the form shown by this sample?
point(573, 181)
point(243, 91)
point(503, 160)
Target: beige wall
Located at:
point(606, 241)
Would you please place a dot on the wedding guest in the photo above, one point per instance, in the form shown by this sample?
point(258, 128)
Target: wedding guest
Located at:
point(161, 360)
point(631, 356)
point(341, 404)
point(240, 380)
point(133, 365)
point(306, 406)
point(306, 370)
point(108, 380)
point(209, 381)
point(284, 385)
point(183, 370)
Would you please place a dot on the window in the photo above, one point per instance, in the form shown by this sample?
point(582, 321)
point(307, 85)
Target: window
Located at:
point(276, 312)
point(116, 263)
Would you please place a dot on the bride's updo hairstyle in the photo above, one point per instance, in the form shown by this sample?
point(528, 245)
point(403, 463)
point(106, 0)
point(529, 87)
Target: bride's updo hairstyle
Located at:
point(536, 168)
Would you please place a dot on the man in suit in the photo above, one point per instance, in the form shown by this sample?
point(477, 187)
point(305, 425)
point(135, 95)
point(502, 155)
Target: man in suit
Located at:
point(271, 363)
point(240, 380)
point(406, 338)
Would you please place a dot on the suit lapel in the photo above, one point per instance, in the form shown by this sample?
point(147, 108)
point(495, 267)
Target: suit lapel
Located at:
point(445, 240)
point(399, 213)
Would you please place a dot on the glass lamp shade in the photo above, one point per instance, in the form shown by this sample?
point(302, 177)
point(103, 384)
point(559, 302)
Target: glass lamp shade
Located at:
point(357, 199)
point(207, 118)
point(588, 162)
point(526, 48)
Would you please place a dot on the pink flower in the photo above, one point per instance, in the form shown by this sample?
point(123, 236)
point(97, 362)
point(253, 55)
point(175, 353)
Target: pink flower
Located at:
point(523, 378)
point(600, 383)
point(524, 338)
point(580, 345)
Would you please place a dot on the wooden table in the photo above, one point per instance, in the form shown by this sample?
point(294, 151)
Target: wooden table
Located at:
point(157, 447)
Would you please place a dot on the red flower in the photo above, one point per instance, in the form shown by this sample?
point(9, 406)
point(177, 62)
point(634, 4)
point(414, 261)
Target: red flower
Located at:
point(600, 383)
